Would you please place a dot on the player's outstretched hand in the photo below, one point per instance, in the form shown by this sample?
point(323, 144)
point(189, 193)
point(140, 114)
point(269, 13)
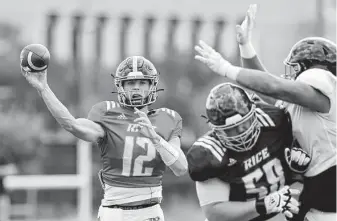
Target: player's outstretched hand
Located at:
point(280, 201)
point(146, 127)
point(37, 79)
point(244, 31)
point(298, 160)
point(211, 58)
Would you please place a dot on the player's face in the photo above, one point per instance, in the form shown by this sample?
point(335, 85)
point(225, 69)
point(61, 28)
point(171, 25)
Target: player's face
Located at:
point(137, 84)
point(239, 129)
point(136, 90)
point(240, 136)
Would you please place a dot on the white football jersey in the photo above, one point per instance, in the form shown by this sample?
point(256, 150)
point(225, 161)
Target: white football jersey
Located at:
point(316, 132)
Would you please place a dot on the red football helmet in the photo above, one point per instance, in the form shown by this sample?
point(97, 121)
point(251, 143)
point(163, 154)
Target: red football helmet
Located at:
point(231, 114)
point(136, 67)
point(309, 52)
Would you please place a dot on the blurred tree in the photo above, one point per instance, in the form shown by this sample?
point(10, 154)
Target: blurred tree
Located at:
point(101, 20)
point(75, 89)
point(51, 25)
point(149, 24)
point(219, 27)
point(173, 23)
point(20, 135)
point(125, 24)
point(197, 23)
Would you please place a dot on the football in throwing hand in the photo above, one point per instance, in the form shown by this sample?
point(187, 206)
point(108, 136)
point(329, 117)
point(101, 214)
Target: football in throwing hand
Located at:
point(34, 58)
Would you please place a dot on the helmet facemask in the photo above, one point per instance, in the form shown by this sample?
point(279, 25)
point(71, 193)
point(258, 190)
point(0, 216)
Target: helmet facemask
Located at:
point(292, 70)
point(243, 141)
point(232, 116)
point(136, 97)
point(136, 68)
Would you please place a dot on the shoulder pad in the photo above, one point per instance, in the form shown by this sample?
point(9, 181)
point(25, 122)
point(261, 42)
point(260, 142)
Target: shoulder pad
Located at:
point(170, 112)
point(322, 80)
point(110, 105)
point(206, 159)
point(211, 144)
point(99, 109)
point(269, 115)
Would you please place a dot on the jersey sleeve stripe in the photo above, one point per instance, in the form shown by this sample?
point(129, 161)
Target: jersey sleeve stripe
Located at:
point(169, 111)
point(266, 117)
point(214, 140)
point(262, 121)
point(213, 144)
point(108, 105)
point(210, 148)
point(217, 149)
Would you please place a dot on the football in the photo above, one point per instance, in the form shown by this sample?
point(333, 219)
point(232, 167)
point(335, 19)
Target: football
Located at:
point(34, 58)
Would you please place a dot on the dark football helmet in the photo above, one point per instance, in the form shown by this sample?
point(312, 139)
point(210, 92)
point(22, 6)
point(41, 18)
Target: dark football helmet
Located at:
point(309, 52)
point(228, 108)
point(136, 67)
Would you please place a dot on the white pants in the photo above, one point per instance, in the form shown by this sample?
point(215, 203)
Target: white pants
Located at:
point(316, 215)
point(153, 213)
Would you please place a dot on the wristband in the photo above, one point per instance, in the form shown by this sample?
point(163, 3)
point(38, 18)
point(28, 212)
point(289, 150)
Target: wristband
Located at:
point(168, 153)
point(260, 206)
point(247, 51)
point(232, 72)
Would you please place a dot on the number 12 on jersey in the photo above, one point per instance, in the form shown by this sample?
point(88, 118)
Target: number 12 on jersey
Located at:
point(135, 166)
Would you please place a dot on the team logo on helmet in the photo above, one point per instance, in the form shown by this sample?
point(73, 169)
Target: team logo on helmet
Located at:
point(134, 68)
point(232, 116)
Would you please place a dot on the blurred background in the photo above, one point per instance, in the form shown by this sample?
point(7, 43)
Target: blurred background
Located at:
point(87, 39)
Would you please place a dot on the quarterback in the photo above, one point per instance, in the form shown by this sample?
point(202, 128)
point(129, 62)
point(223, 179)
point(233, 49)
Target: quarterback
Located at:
point(136, 143)
point(242, 166)
point(308, 92)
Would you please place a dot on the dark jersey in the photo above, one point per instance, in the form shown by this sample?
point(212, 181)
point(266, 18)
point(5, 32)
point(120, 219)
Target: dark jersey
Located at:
point(129, 159)
point(251, 174)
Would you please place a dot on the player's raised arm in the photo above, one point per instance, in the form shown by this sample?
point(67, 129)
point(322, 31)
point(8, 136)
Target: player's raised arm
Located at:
point(244, 33)
point(81, 128)
point(249, 57)
point(307, 91)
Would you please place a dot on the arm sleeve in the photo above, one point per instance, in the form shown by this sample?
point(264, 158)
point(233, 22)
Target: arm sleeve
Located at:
point(212, 191)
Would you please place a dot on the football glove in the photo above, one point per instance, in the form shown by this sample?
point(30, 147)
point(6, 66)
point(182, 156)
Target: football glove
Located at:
point(280, 201)
point(297, 159)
